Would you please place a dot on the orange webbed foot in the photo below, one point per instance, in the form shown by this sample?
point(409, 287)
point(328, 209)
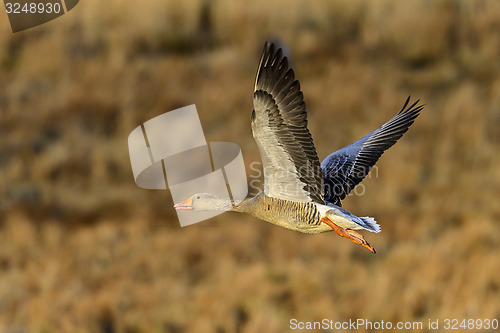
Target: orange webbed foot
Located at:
point(348, 233)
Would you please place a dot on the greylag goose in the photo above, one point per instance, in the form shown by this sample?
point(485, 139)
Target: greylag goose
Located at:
point(300, 193)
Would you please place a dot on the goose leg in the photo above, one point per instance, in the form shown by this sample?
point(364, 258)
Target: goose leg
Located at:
point(348, 233)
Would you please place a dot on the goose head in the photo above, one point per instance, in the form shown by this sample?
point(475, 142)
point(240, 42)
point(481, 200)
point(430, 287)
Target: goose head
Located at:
point(204, 202)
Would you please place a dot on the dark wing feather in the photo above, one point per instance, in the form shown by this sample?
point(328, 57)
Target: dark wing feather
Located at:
point(346, 168)
point(279, 125)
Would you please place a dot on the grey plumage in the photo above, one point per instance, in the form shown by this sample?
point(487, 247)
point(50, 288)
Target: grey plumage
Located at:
point(299, 216)
point(279, 127)
point(300, 193)
point(347, 167)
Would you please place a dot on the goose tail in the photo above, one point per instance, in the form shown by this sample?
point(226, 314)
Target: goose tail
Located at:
point(344, 218)
point(370, 224)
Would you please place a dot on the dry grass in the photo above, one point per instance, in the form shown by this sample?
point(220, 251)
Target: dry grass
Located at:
point(84, 250)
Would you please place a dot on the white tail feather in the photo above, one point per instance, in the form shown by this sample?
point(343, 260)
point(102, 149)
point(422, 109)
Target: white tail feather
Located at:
point(370, 221)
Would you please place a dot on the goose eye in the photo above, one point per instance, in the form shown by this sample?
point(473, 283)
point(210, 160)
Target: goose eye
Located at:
point(197, 197)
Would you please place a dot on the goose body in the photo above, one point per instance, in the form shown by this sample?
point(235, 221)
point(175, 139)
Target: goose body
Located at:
point(298, 216)
point(303, 217)
point(299, 193)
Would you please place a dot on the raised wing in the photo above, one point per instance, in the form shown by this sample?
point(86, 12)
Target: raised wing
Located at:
point(346, 168)
point(279, 125)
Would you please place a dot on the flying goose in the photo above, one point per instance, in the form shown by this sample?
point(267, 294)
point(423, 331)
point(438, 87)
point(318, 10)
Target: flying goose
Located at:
point(300, 193)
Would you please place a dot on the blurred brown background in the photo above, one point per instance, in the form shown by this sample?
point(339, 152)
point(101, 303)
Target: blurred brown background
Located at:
point(82, 249)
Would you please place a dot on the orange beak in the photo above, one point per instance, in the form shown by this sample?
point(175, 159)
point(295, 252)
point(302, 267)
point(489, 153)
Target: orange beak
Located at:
point(185, 205)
